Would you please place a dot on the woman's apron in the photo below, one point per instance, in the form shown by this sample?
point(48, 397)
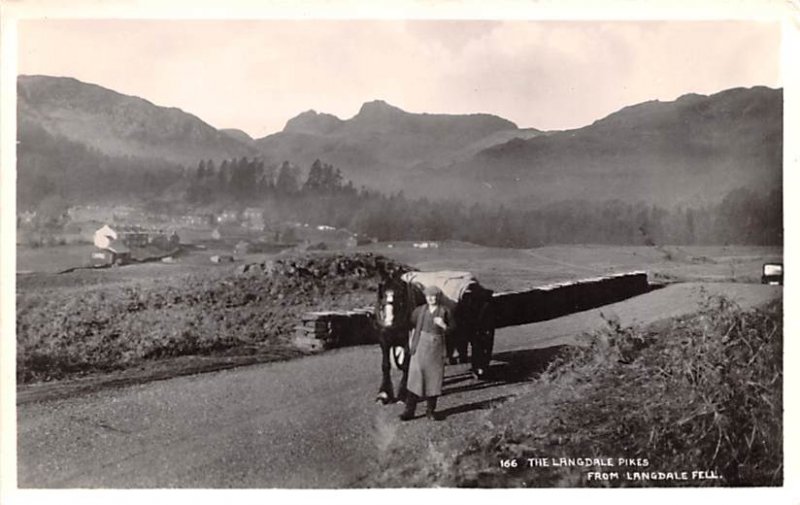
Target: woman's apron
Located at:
point(426, 369)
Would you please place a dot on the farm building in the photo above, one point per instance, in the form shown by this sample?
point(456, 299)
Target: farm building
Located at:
point(196, 220)
point(134, 236)
point(162, 240)
point(253, 218)
point(357, 240)
point(227, 216)
point(104, 236)
point(115, 253)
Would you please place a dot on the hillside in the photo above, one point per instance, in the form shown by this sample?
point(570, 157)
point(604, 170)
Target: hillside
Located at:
point(382, 142)
point(238, 134)
point(689, 151)
point(119, 125)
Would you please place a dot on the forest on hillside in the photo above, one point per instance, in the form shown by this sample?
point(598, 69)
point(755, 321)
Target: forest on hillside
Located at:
point(50, 167)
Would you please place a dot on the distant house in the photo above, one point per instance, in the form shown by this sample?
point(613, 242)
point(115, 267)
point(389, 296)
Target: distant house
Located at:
point(133, 236)
point(426, 245)
point(254, 218)
point(227, 216)
point(364, 239)
point(104, 236)
point(251, 213)
point(357, 240)
point(163, 240)
point(115, 253)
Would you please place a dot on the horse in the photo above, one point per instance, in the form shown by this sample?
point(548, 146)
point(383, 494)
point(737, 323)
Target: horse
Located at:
point(395, 302)
point(400, 293)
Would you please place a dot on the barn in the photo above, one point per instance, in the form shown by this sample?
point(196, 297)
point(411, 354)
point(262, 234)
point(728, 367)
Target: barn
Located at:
point(115, 253)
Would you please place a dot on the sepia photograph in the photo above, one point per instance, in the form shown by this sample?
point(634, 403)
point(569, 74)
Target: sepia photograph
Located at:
point(386, 249)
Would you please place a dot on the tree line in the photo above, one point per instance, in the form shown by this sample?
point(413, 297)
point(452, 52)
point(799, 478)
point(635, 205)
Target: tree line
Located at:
point(51, 167)
point(324, 196)
point(251, 180)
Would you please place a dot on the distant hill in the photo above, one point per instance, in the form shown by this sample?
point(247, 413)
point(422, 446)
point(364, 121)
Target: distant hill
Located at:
point(690, 151)
point(117, 124)
point(238, 134)
point(382, 142)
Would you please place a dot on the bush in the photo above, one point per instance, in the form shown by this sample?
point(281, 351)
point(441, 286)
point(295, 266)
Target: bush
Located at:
point(706, 393)
point(67, 332)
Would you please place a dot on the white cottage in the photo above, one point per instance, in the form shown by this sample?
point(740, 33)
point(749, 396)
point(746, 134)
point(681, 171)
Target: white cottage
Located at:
point(104, 236)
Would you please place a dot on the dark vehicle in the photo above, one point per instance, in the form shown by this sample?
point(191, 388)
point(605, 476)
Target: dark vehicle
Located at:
point(471, 341)
point(772, 273)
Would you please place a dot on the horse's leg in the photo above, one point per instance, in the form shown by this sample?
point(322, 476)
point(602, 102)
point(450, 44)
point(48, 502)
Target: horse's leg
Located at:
point(402, 389)
point(450, 347)
point(483, 343)
point(464, 338)
point(477, 346)
point(385, 394)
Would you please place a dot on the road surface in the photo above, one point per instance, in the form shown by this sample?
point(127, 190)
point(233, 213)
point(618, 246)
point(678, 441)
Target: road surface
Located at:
point(307, 423)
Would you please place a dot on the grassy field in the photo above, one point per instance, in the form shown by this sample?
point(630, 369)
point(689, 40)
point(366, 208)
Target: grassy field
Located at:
point(52, 259)
point(513, 269)
point(499, 269)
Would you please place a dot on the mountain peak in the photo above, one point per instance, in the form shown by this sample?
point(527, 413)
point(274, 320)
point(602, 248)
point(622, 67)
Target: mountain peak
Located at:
point(312, 121)
point(376, 107)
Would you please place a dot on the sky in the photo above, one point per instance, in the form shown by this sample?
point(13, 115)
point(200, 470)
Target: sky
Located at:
point(255, 75)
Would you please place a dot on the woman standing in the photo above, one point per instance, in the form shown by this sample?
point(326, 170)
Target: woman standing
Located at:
point(428, 351)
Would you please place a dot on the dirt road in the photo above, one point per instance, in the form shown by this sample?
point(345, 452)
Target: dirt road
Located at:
point(310, 422)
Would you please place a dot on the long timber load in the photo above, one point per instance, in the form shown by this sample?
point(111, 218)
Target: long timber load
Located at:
point(555, 300)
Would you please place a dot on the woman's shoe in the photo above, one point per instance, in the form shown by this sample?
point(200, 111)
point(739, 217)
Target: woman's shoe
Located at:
point(411, 408)
point(430, 411)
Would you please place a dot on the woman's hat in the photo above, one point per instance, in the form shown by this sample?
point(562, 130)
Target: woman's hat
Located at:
point(432, 290)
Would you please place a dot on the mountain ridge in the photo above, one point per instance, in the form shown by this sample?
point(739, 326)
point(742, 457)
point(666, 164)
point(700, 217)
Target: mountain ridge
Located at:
point(119, 124)
point(666, 152)
point(694, 147)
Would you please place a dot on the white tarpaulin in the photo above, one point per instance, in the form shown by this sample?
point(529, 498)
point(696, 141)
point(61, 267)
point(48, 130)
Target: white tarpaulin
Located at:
point(452, 283)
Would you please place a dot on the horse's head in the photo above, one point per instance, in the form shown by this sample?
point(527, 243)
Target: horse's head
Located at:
point(395, 302)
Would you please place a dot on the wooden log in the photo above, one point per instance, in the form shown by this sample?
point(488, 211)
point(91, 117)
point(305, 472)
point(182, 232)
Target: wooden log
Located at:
point(557, 300)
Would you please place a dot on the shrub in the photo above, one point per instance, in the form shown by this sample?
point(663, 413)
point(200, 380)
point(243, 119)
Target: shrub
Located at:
point(67, 332)
point(703, 393)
